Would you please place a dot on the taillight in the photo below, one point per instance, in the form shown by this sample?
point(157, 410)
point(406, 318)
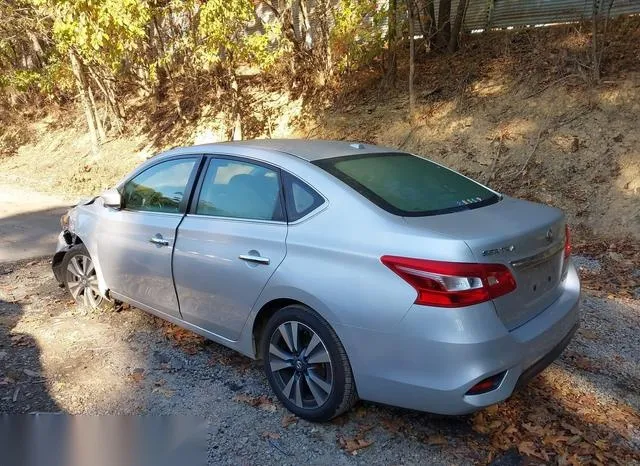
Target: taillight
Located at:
point(567, 241)
point(452, 284)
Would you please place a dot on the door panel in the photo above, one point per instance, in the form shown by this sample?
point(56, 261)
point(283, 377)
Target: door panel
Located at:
point(231, 244)
point(133, 265)
point(217, 289)
point(135, 243)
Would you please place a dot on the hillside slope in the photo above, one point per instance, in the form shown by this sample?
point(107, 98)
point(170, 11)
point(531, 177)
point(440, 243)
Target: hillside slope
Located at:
point(514, 110)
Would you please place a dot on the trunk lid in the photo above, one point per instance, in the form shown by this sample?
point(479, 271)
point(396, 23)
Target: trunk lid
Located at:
point(525, 236)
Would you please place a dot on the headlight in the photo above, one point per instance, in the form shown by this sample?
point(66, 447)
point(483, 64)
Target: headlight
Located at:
point(64, 221)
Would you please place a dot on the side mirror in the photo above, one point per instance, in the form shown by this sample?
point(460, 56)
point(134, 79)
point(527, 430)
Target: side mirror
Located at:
point(112, 198)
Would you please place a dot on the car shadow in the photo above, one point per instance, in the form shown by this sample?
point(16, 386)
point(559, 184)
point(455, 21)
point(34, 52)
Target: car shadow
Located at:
point(23, 386)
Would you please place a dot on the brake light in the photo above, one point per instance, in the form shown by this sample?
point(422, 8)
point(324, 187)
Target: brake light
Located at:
point(567, 242)
point(452, 284)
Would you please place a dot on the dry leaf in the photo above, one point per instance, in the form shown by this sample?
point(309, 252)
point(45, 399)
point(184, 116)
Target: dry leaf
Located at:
point(393, 424)
point(574, 430)
point(271, 435)
point(262, 402)
point(186, 340)
point(602, 444)
point(137, 375)
point(352, 445)
point(289, 420)
point(528, 448)
point(437, 440)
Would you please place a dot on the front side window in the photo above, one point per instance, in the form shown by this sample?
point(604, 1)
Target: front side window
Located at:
point(236, 189)
point(160, 188)
point(406, 185)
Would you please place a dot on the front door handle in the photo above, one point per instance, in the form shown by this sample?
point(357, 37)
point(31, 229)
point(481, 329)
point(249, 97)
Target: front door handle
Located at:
point(159, 241)
point(257, 259)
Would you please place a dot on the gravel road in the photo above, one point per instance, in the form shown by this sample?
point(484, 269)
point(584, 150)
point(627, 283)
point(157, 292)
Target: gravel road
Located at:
point(29, 222)
point(56, 357)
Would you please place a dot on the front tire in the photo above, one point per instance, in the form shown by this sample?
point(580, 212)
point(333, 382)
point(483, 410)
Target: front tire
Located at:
point(80, 279)
point(306, 364)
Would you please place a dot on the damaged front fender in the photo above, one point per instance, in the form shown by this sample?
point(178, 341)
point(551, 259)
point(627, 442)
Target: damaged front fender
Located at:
point(66, 240)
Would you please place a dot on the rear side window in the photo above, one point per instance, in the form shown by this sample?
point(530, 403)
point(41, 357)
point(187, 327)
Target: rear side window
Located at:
point(301, 198)
point(237, 189)
point(160, 188)
point(406, 185)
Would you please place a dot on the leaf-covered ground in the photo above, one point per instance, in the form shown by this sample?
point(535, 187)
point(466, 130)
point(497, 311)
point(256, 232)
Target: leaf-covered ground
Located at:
point(53, 357)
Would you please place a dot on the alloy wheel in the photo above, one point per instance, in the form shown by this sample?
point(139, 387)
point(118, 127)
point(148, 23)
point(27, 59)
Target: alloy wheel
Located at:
point(301, 365)
point(83, 282)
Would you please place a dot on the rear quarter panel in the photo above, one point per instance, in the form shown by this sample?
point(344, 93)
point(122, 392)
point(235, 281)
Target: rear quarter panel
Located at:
point(333, 262)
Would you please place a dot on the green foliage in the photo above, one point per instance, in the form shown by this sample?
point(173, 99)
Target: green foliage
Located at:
point(227, 34)
point(357, 36)
point(105, 32)
point(146, 41)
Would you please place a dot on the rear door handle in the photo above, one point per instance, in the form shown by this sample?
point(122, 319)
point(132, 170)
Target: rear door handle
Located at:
point(159, 241)
point(257, 259)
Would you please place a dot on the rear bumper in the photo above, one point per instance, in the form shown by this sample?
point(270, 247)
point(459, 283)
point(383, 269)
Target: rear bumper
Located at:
point(546, 360)
point(434, 356)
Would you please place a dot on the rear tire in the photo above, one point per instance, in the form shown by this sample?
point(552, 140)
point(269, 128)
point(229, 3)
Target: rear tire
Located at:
point(80, 279)
point(306, 364)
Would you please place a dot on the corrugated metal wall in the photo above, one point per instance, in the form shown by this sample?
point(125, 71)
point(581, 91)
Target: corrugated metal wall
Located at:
point(481, 14)
point(484, 14)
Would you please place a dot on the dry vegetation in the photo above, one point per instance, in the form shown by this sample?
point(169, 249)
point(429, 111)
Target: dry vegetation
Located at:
point(516, 110)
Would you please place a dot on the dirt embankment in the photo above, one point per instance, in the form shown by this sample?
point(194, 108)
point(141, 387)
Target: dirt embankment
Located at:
point(515, 110)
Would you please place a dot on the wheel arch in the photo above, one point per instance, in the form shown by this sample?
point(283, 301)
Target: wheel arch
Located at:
point(262, 317)
point(275, 300)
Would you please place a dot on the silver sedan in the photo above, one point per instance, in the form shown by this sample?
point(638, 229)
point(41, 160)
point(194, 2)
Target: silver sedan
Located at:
point(353, 271)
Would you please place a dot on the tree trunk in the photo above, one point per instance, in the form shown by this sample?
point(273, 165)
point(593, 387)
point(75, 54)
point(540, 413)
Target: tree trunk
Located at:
point(325, 28)
point(457, 25)
point(235, 107)
point(99, 126)
point(444, 25)
point(37, 48)
point(431, 11)
point(412, 97)
point(107, 87)
point(427, 17)
point(391, 42)
point(598, 39)
point(83, 89)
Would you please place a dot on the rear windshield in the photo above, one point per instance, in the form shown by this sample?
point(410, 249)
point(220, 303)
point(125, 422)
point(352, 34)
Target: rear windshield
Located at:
point(406, 185)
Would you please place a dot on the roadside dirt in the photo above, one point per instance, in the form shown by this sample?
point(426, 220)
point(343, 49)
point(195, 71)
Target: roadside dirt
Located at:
point(57, 357)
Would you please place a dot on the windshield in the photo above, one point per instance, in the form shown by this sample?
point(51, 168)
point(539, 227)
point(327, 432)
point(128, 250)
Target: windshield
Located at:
point(406, 185)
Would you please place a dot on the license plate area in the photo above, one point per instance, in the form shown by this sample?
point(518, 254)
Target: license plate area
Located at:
point(537, 280)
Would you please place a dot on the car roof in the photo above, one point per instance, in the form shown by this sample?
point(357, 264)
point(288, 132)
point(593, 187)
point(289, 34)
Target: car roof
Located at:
point(306, 149)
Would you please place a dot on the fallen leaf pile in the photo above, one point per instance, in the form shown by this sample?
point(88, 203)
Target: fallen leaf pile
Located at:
point(553, 421)
point(262, 402)
point(186, 340)
point(619, 274)
point(231, 359)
